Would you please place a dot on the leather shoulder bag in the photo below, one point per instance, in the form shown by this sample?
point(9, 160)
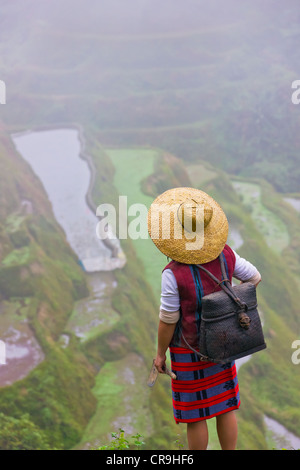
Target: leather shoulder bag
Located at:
point(230, 326)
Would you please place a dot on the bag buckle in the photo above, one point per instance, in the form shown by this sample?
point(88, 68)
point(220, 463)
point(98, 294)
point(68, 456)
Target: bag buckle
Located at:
point(244, 320)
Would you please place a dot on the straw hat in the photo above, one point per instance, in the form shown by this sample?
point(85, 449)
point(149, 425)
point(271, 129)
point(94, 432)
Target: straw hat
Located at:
point(187, 225)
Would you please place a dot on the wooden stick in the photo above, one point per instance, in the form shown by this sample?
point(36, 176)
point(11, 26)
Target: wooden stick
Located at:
point(170, 373)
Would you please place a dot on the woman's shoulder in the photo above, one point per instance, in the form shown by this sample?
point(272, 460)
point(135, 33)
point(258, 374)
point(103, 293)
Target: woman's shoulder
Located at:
point(175, 266)
point(229, 251)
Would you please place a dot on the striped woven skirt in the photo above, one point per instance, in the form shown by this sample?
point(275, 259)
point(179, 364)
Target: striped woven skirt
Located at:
point(202, 390)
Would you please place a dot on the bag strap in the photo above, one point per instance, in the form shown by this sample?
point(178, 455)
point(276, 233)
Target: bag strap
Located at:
point(201, 356)
point(225, 283)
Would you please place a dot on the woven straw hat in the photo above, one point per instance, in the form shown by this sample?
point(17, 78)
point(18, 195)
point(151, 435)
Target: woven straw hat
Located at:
point(187, 225)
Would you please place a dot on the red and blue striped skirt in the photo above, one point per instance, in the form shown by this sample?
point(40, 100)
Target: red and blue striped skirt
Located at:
point(202, 390)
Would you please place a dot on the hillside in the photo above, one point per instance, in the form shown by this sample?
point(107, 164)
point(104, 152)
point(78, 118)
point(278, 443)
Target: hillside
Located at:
point(128, 344)
point(40, 280)
point(41, 285)
point(184, 93)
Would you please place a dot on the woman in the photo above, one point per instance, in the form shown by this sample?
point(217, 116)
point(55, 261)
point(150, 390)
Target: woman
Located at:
point(189, 226)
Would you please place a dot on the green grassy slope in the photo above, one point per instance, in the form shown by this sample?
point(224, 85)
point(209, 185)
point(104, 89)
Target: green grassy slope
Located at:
point(133, 166)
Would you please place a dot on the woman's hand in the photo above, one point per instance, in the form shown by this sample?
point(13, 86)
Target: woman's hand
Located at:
point(160, 363)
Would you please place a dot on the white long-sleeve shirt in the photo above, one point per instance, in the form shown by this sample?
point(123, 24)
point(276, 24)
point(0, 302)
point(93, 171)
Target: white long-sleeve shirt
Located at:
point(170, 301)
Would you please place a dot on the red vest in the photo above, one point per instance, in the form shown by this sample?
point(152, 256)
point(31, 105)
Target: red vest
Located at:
point(193, 284)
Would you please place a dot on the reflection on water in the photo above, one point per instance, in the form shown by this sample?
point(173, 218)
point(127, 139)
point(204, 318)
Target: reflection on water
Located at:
point(267, 222)
point(294, 202)
point(54, 157)
point(23, 353)
point(281, 436)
